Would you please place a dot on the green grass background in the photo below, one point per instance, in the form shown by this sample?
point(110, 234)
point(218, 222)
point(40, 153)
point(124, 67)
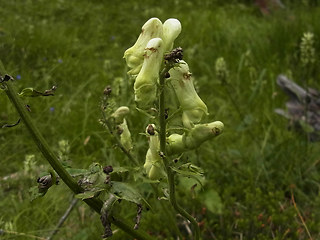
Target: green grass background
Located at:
point(251, 170)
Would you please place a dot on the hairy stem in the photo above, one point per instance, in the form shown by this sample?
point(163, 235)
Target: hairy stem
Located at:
point(169, 171)
point(46, 151)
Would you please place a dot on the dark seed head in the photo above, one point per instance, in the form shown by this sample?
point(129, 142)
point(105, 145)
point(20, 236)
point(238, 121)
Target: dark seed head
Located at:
point(108, 169)
point(119, 130)
point(107, 91)
point(7, 78)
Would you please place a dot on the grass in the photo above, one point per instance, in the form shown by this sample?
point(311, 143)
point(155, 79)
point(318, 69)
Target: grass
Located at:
point(252, 170)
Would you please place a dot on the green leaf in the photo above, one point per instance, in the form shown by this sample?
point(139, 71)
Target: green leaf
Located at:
point(85, 195)
point(30, 92)
point(189, 183)
point(191, 171)
point(145, 113)
point(77, 172)
point(126, 192)
point(120, 170)
point(306, 127)
point(89, 194)
point(120, 173)
point(93, 177)
point(35, 193)
point(212, 201)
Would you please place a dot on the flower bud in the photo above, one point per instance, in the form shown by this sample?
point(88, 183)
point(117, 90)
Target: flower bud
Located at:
point(175, 143)
point(171, 30)
point(156, 172)
point(134, 55)
point(125, 137)
point(191, 104)
point(192, 139)
point(153, 164)
point(145, 86)
point(203, 132)
point(120, 113)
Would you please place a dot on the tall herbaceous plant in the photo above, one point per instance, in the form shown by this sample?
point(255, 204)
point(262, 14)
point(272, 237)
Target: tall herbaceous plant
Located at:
point(165, 94)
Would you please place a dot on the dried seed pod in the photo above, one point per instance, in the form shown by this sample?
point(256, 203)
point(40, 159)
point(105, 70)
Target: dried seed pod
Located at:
point(108, 169)
point(107, 90)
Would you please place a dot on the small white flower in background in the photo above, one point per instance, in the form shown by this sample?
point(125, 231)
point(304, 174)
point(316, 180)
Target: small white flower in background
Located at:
point(29, 163)
point(221, 69)
point(307, 50)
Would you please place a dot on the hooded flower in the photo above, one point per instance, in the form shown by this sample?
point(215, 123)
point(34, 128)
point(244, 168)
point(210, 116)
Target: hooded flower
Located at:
point(120, 113)
point(191, 104)
point(153, 164)
point(134, 55)
point(171, 30)
point(145, 86)
point(192, 139)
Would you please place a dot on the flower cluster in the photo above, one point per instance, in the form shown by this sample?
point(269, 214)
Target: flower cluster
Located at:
point(145, 57)
point(307, 49)
point(152, 53)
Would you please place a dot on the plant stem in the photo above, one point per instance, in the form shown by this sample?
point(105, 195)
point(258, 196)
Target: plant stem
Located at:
point(43, 146)
point(169, 171)
point(39, 139)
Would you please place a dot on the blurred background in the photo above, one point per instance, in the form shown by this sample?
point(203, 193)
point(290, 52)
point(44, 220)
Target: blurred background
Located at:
point(261, 175)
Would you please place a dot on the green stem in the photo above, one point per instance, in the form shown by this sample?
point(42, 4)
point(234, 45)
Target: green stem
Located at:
point(39, 139)
point(43, 146)
point(170, 173)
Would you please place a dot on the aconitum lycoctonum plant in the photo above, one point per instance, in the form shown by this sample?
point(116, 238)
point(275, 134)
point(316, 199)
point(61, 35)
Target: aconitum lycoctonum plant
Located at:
point(153, 52)
point(164, 91)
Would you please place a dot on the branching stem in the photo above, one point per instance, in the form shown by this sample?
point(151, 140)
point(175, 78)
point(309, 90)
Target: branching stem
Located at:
point(46, 151)
point(170, 173)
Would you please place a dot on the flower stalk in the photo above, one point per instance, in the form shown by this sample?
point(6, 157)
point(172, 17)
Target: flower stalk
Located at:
point(170, 173)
